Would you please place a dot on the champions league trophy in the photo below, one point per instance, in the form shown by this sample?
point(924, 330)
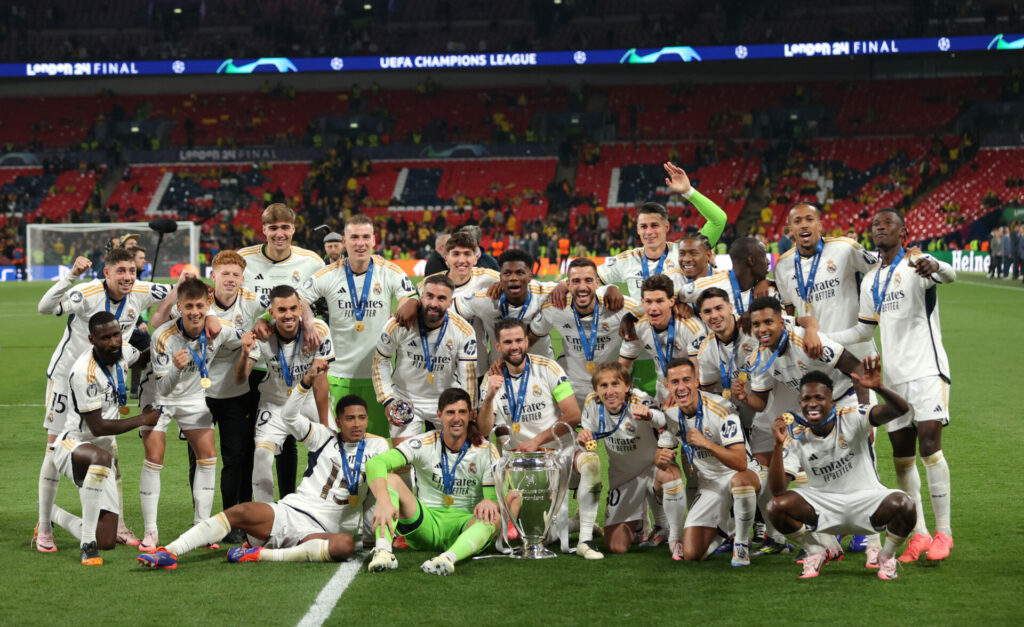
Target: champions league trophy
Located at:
point(531, 488)
point(403, 411)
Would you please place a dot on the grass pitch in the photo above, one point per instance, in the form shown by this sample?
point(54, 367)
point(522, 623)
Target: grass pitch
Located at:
point(980, 583)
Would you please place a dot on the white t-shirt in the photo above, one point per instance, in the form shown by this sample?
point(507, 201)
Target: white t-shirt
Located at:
point(633, 443)
point(627, 267)
point(793, 363)
point(91, 390)
point(842, 461)
point(242, 313)
point(546, 386)
point(263, 274)
point(273, 388)
point(719, 423)
point(687, 332)
point(713, 356)
point(471, 476)
point(480, 281)
point(176, 387)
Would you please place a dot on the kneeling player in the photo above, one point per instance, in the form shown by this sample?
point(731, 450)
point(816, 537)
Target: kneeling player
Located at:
point(455, 509)
point(727, 475)
point(627, 422)
point(318, 521)
point(843, 493)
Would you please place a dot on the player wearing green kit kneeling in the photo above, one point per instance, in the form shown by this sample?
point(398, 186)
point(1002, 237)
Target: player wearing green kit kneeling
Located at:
point(455, 509)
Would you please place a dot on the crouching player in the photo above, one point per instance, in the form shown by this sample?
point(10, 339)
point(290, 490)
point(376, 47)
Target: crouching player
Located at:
point(627, 422)
point(727, 475)
point(318, 521)
point(455, 509)
point(843, 493)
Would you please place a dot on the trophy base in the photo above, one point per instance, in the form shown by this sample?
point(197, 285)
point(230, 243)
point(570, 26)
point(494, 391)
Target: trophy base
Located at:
point(533, 552)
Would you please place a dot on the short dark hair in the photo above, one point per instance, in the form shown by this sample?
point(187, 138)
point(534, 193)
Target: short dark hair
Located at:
point(515, 254)
point(101, 318)
point(817, 376)
point(803, 203)
point(281, 291)
point(461, 239)
point(349, 401)
point(581, 262)
point(765, 302)
point(118, 255)
point(742, 248)
point(439, 279)
point(658, 283)
point(453, 395)
point(653, 207)
point(700, 237)
point(509, 323)
point(681, 361)
point(191, 288)
point(711, 292)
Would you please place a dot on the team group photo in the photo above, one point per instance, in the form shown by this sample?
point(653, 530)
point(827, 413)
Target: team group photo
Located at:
point(467, 341)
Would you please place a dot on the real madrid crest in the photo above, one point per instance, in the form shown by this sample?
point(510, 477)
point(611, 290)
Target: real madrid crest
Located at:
point(377, 289)
point(843, 444)
point(472, 468)
point(296, 277)
point(831, 267)
point(896, 280)
point(537, 391)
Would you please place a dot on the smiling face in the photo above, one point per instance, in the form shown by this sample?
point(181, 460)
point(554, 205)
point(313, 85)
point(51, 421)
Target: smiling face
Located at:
point(455, 419)
point(681, 383)
point(658, 307)
point(612, 390)
point(333, 250)
point(515, 280)
point(652, 229)
point(287, 313)
point(107, 339)
point(120, 278)
point(460, 260)
point(279, 236)
point(352, 423)
point(583, 285)
point(887, 230)
point(805, 228)
point(767, 325)
point(227, 278)
point(694, 257)
point(434, 302)
point(815, 402)
point(193, 314)
point(512, 345)
point(359, 242)
point(716, 313)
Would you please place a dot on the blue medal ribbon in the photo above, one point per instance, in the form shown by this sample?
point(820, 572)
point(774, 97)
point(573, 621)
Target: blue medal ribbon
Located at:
point(879, 297)
point(588, 343)
point(503, 304)
point(688, 449)
point(800, 420)
point(119, 387)
point(426, 343)
point(120, 307)
point(199, 361)
point(448, 475)
point(783, 341)
point(665, 356)
point(352, 476)
point(737, 293)
point(805, 289)
point(286, 370)
point(658, 269)
point(601, 433)
point(726, 373)
point(359, 304)
point(516, 408)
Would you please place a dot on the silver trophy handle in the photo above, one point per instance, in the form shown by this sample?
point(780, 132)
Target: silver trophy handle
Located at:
point(574, 444)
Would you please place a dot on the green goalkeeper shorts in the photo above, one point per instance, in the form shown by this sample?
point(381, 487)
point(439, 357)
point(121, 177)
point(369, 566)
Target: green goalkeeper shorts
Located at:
point(434, 528)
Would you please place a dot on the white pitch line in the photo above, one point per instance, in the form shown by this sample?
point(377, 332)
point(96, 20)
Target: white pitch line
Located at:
point(995, 286)
point(23, 405)
point(321, 609)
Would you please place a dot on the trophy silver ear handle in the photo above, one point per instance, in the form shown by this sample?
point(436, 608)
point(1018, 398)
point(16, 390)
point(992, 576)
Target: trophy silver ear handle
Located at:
point(570, 430)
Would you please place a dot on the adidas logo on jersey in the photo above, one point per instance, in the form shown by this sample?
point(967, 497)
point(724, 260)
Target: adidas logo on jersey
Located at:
point(812, 458)
point(342, 290)
point(258, 277)
point(566, 326)
point(938, 409)
point(414, 344)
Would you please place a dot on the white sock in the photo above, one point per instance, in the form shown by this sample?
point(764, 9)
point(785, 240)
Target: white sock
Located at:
point(49, 481)
point(828, 541)
point(805, 540)
point(205, 532)
point(937, 472)
point(589, 493)
point(91, 493)
point(744, 503)
point(874, 541)
point(309, 551)
point(657, 511)
point(892, 544)
point(674, 500)
point(203, 488)
point(909, 480)
point(149, 493)
point(262, 477)
point(71, 523)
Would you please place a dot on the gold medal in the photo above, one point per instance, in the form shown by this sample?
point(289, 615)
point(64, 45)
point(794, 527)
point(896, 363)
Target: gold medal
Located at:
point(205, 382)
point(353, 499)
point(787, 418)
point(430, 377)
point(742, 377)
point(360, 326)
point(727, 394)
point(515, 427)
point(590, 445)
point(591, 366)
point(123, 409)
point(449, 500)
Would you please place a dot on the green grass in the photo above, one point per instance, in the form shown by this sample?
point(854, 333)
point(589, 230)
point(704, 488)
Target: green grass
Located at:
point(981, 583)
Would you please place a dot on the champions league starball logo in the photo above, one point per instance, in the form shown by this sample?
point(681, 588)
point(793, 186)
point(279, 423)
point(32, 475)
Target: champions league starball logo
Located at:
point(280, 64)
point(579, 57)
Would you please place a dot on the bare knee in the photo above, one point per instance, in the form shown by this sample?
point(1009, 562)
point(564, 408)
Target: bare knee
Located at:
point(341, 547)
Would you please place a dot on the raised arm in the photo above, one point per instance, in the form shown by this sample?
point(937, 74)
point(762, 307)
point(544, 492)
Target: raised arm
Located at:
point(52, 302)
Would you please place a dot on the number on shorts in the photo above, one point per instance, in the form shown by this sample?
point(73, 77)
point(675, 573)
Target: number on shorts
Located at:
point(59, 403)
point(614, 496)
point(263, 418)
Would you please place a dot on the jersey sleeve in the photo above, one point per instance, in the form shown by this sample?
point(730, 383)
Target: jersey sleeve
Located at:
point(325, 350)
point(166, 373)
point(561, 389)
point(465, 307)
point(867, 314)
point(781, 276)
point(862, 260)
point(791, 457)
point(707, 368)
point(730, 430)
point(541, 323)
point(589, 418)
point(831, 351)
point(401, 285)
point(410, 449)
point(760, 381)
point(63, 297)
point(310, 289)
point(631, 349)
point(381, 369)
point(465, 368)
point(716, 218)
point(156, 293)
point(610, 271)
point(86, 396)
point(229, 337)
point(487, 472)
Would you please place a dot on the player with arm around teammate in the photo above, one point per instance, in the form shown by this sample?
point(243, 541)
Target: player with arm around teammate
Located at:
point(843, 493)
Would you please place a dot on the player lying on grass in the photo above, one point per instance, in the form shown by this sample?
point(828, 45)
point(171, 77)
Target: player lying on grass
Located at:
point(316, 523)
point(455, 509)
point(842, 494)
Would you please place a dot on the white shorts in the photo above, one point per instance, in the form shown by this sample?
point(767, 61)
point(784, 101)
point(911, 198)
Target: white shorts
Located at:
point(928, 398)
point(270, 426)
point(710, 508)
point(294, 520)
point(189, 415)
point(57, 401)
point(761, 438)
point(63, 449)
point(848, 512)
point(626, 500)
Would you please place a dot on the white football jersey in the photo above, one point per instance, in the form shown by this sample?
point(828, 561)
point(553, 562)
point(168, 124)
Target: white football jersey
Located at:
point(842, 461)
point(687, 332)
point(632, 444)
point(480, 281)
point(263, 274)
point(793, 363)
point(472, 475)
point(488, 311)
point(627, 267)
point(740, 299)
point(242, 313)
point(909, 321)
point(714, 356)
point(273, 387)
point(453, 359)
point(719, 423)
point(176, 387)
point(388, 282)
point(607, 343)
point(546, 386)
point(80, 302)
point(91, 390)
